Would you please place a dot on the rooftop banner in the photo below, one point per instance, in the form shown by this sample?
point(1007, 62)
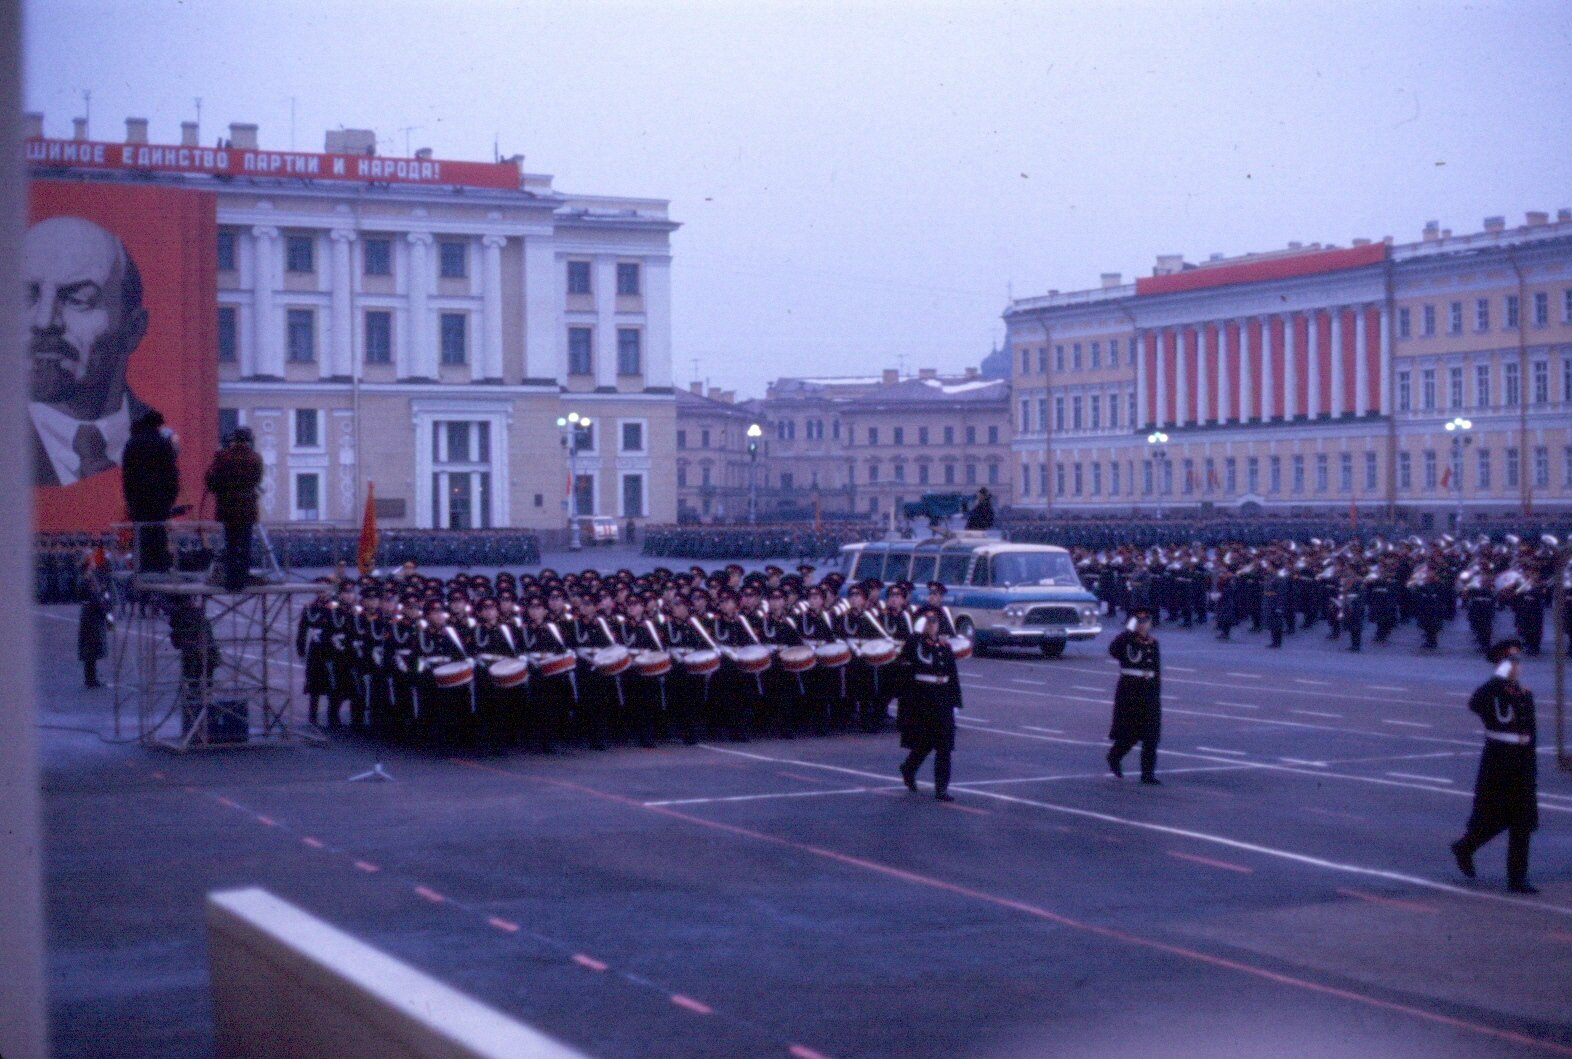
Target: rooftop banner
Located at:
point(1285, 267)
point(239, 162)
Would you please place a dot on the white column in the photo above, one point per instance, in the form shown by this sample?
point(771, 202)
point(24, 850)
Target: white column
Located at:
point(1336, 352)
point(1245, 393)
point(1140, 383)
point(1386, 361)
point(1313, 354)
point(1265, 355)
point(422, 339)
point(657, 321)
point(605, 287)
point(1201, 382)
point(267, 352)
point(545, 337)
point(1221, 327)
point(341, 362)
point(491, 307)
point(1181, 380)
point(1161, 418)
point(1290, 363)
point(1361, 363)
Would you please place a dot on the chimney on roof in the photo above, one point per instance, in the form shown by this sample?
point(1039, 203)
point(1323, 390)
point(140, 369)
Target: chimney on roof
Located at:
point(1361, 242)
point(723, 396)
point(1168, 264)
point(1296, 245)
point(424, 154)
point(927, 373)
point(1536, 217)
point(1111, 279)
point(189, 134)
point(243, 135)
point(1215, 257)
point(971, 373)
point(1495, 224)
point(79, 128)
point(891, 376)
point(1432, 231)
point(136, 130)
point(33, 124)
point(1562, 216)
point(696, 388)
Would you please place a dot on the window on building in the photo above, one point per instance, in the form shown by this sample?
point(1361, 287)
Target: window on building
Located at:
point(1454, 387)
point(1113, 411)
point(376, 256)
point(633, 496)
point(1371, 471)
point(1513, 471)
point(1209, 481)
point(226, 250)
point(899, 436)
point(1078, 477)
point(298, 253)
point(900, 472)
point(629, 359)
point(1566, 306)
point(1513, 312)
point(1075, 413)
point(1275, 474)
point(1511, 385)
point(1321, 469)
point(1454, 323)
point(301, 326)
point(1482, 385)
point(454, 340)
point(1345, 472)
point(1428, 321)
point(1096, 409)
point(1148, 483)
point(993, 474)
point(682, 439)
point(1482, 470)
point(451, 259)
point(922, 474)
point(1042, 360)
point(1130, 419)
point(873, 473)
point(379, 336)
point(949, 474)
point(1167, 472)
point(949, 435)
point(1404, 329)
point(1541, 309)
point(682, 476)
point(581, 351)
point(1097, 479)
point(1075, 356)
point(1405, 391)
point(1299, 473)
point(308, 497)
point(578, 277)
point(1566, 379)
point(1482, 314)
point(1113, 362)
point(1058, 356)
point(1541, 467)
point(1431, 477)
point(228, 423)
point(1566, 465)
point(1058, 414)
point(704, 439)
point(1405, 471)
point(633, 437)
point(873, 435)
point(307, 432)
point(993, 435)
point(1230, 475)
point(1113, 467)
point(1427, 389)
point(1026, 412)
point(628, 279)
point(1096, 354)
point(228, 331)
point(971, 474)
point(1541, 382)
point(922, 435)
point(1026, 361)
point(1253, 474)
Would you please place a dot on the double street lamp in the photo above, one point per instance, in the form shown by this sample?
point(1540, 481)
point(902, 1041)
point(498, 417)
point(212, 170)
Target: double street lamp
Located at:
point(569, 426)
point(755, 432)
point(1157, 439)
point(1461, 438)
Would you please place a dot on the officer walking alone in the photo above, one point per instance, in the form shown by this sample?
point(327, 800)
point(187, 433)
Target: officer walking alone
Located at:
point(1137, 712)
point(1506, 794)
point(926, 713)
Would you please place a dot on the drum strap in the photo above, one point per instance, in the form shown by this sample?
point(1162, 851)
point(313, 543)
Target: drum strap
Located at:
point(654, 634)
point(703, 633)
point(755, 636)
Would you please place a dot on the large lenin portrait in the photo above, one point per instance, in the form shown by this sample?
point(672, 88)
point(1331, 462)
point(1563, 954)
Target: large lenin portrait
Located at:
point(120, 317)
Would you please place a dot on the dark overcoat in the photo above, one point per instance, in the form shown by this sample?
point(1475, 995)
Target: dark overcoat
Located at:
point(1506, 789)
point(1137, 712)
point(233, 479)
point(925, 714)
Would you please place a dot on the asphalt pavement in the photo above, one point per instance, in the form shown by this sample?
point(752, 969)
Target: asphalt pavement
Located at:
point(1287, 891)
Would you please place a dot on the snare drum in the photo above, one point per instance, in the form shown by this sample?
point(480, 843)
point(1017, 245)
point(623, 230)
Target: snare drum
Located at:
point(832, 655)
point(508, 672)
point(609, 661)
point(454, 674)
point(554, 665)
point(878, 652)
point(752, 659)
point(960, 647)
point(652, 663)
point(701, 663)
point(796, 659)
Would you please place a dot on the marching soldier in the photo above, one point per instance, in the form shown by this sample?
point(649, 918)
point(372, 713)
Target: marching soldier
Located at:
point(646, 695)
point(1505, 792)
point(1137, 714)
point(1480, 606)
point(926, 718)
point(784, 692)
point(499, 711)
point(736, 695)
point(554, 697)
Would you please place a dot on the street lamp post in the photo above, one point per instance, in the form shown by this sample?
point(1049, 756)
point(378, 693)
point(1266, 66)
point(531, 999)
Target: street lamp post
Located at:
point(1157, 439)
point(569, 426)
point(1461, 438)
point(755, 432)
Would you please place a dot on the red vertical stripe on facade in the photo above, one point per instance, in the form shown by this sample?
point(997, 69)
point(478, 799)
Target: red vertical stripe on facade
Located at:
point(1372, 325)
point(1301, 326)
point(1229, 336)
point(1253, 331)
point(1192, 386)
point(1274, 345)
point(1170, 375)
point(1209, 366)
point(1149, 366)
point(1324, 368)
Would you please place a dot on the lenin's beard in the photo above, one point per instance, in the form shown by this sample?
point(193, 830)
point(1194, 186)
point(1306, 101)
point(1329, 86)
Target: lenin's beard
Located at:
point(52, 381)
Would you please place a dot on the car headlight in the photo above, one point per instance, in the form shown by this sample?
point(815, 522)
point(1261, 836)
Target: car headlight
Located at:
point(1088, 613)
point(1014, 612)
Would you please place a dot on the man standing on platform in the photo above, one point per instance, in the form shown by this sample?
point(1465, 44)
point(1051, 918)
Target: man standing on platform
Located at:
point(1137, 713)
point(233, 480)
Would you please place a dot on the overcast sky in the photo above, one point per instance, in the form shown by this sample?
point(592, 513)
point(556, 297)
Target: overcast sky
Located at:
point(862, 185)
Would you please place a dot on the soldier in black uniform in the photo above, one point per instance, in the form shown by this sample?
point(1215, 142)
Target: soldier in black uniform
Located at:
point(1505, 793)
point(646, 695)
point(1353, 608)
point(1137, 714)
point(736, 694)
point(1528, 613)
point(1381, 596)
point(825, 685)
point(687, 695)
point(785, 694)
point(597, 699)
point(1274, 605)
point(927, 711)
point(552, 699)
point(1480, 606)
point(499, 712)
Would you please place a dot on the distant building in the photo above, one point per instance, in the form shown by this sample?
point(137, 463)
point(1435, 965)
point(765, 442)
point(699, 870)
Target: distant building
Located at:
point(712, 460)
point(1315, 379)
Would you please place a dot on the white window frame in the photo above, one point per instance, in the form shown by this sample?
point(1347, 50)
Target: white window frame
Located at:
point(296, 512)
point(644, 494)
point(294, 430)
point(426, 411)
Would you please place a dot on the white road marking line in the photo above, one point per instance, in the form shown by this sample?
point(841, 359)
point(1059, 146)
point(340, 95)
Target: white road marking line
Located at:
point(1050, 731)
point(1416, 776)
point(1384, 687)
point(1407, 724)
point(1318, 727)
point(1018, 680)
point(1201, 836)
point(1316, 713)
point(1238, 705)
point(1398, 757)
point(982, 720)
point(1083, 687)
point(1220, 750)
point(1297, 761)
point(1318, 683)
point(765, 797)
point(1247, 676)
point(1456, 694)
point(1181, 669)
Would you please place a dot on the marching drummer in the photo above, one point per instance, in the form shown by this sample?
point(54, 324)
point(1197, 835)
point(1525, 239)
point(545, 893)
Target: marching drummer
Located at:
point(446, 708)
point(946, 620)
point(555, 694)
point(645, 694)
point(784, 691)
point(826, 684)
point(586, 633)
point(498, 710)
point(687, 697)
point(736, 694)
point(927, 713)
point(862, 679)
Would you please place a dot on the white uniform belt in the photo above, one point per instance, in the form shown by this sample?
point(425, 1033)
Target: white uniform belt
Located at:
point(932, 678)
point(1147, 673)
point(1515, 738)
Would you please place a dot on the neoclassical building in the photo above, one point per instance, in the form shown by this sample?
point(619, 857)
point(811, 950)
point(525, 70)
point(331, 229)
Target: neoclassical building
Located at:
point(1314, 379)
point(421, 325)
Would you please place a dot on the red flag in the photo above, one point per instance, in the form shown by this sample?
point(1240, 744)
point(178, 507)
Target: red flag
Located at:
point(1446, 478)
point(366, 553)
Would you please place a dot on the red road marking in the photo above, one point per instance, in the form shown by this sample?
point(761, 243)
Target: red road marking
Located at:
point(228, 803)
point(1110, 838)
point(363, 866)
point(588, 961)
point(189, 790)
point(689, 1003)
point(158, 775)
point(1557, 935)
point(1210, 862)
point(1412, 906)
point(430, 895)
point(313, 843)
point(503, 924)
point(1037, 912)
point(965, 809)
point(266, 820)
point(806, 1053)
point(805, 779)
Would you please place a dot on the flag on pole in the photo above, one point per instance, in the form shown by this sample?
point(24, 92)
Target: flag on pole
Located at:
point(1446, 478)
point(366, 553)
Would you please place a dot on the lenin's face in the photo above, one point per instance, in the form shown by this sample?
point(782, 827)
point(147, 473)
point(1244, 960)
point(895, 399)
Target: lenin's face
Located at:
point(80, 330)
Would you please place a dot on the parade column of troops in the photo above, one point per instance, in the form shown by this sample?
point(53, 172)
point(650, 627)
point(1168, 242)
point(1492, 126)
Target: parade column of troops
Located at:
point(487, 664)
